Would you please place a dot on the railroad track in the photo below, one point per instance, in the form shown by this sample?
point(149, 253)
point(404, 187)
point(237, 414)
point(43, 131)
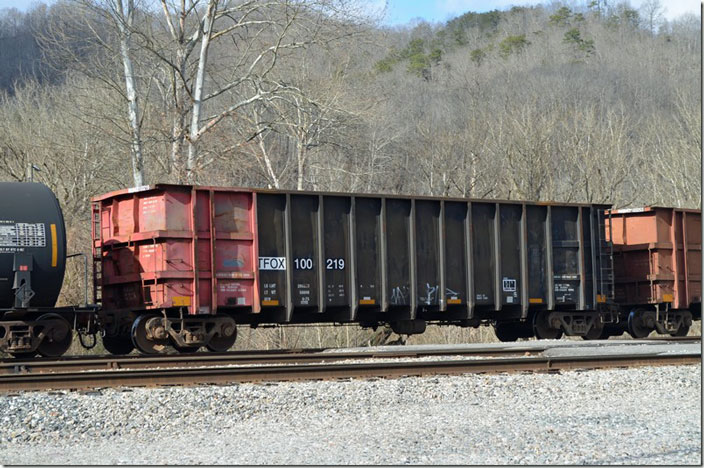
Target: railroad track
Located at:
point(101, 372)
point(300, 356)
point(135, 361)
point(288, 356)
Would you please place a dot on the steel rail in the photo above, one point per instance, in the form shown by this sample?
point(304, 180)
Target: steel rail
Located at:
point(312, 355)
point(10, 367)
point(674, 338)
point(229, 375)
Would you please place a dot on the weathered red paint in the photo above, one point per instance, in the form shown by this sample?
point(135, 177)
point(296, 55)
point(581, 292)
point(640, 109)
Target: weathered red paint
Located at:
point(658, 256)
point(166, 246)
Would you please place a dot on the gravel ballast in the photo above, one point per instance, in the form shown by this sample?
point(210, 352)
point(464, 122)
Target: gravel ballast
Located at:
point(649, 415)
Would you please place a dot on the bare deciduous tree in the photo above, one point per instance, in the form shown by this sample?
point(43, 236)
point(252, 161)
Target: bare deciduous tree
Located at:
point(250, 38)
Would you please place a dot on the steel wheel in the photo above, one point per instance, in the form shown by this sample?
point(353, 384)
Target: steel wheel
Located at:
point(58, 338)
point(119, 344)
point(636, 327)
point(146, 344)
point(597, 332)
point(542, 328)
point(682, 331)
point(221, 343)
point(505, 332)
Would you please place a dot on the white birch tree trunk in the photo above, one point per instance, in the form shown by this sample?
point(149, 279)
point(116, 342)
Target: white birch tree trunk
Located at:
point(267, 162)
point(301, 159)
point(124, 13)
point(192, 158)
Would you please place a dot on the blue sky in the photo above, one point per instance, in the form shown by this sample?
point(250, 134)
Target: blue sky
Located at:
point(403, 11)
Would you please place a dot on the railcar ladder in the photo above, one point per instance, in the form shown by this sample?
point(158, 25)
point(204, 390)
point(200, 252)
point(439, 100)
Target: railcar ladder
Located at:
point(97, 255)
point(606, 256)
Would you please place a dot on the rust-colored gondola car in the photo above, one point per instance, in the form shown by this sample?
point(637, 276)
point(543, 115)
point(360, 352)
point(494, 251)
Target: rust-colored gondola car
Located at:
point(657, 267)
point(174, 248)
point(179, 265)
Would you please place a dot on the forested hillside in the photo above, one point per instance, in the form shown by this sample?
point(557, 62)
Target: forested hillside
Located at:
point(568, 103)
